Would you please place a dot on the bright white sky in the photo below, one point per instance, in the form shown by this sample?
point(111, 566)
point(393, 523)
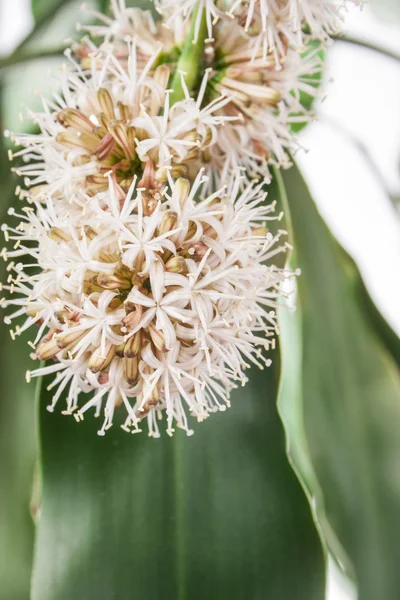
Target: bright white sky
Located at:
point(362, 105)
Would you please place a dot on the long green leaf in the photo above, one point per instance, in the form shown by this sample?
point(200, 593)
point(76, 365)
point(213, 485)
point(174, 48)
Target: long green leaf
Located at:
point(17, 436)
point(217, 515)
point(350, 403)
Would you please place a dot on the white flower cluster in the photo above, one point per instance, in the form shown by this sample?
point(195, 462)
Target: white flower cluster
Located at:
point(269, 26)
point(144, 253)
point(159, 306)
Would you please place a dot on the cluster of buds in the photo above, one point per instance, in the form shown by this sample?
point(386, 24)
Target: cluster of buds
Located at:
point(115, 115)
point(144, 254)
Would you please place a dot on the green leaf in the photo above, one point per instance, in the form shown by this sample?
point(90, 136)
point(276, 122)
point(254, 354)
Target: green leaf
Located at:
point(216, 515)
point(382, 327)
point(388, 10)
point(314, 80)
point(17, 456)
point(17, 439)
point(43, 9)
point(349, 399)
point(104, 5)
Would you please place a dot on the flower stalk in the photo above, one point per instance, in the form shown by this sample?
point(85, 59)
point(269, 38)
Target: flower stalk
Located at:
point(191, 60)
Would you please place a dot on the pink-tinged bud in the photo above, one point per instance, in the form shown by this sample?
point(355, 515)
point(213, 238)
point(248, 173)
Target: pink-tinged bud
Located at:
point(147, 180)
point(75, 119)
point(106, 146)
point(119, 134)
point(134, 314)
point(197, 250)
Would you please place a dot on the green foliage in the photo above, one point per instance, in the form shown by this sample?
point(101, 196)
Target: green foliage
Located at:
point(217, 515)
point(347, 400)
point(315, 80)
point(104, 5)
point(388, 10)
point(17, 439)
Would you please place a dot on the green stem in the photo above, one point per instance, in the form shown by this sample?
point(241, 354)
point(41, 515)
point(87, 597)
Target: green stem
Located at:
point(368, 46)
point(191, 59)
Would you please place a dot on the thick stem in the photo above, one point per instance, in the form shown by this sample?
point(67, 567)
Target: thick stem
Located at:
point(191, 59)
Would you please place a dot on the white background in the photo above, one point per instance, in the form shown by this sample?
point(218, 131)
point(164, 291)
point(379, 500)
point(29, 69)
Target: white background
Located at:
point(360, 115)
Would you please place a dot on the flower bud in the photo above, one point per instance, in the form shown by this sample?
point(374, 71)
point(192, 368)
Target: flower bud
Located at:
point(106, 146)
point(133, 345)
point(175, 171)
point(112, 282)
point(75, 119)
point(181, 190)
point(168, 222)
point(131, 369)
point(260, 231)
point(157, 338)
point(101, 358)
point(106, 103)
point(68, 338)
point(119, 350)
point(47, 349)
point(197, 250)
point(58, 235)
point(176, 264)
point(134, 314)
point(120, 135)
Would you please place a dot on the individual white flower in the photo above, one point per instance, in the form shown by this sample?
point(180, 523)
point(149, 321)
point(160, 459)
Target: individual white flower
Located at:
point(166, 326)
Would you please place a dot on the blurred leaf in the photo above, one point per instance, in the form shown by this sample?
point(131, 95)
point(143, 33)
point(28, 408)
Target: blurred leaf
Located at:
point(388, 10)
point(24, 81)
point(104, 5)
point(46, 8)
point(17, 441)
point(385, 332)
point(349, 403)
point(314, 47)
point(216, 515)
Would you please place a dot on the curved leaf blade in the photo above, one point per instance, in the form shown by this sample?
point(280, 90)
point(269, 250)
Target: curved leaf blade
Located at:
point(350, 395)
point(219, 514)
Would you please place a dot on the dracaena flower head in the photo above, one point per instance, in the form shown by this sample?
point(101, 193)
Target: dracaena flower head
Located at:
point(151, 304)
point(255, 95)
point(113, 113)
